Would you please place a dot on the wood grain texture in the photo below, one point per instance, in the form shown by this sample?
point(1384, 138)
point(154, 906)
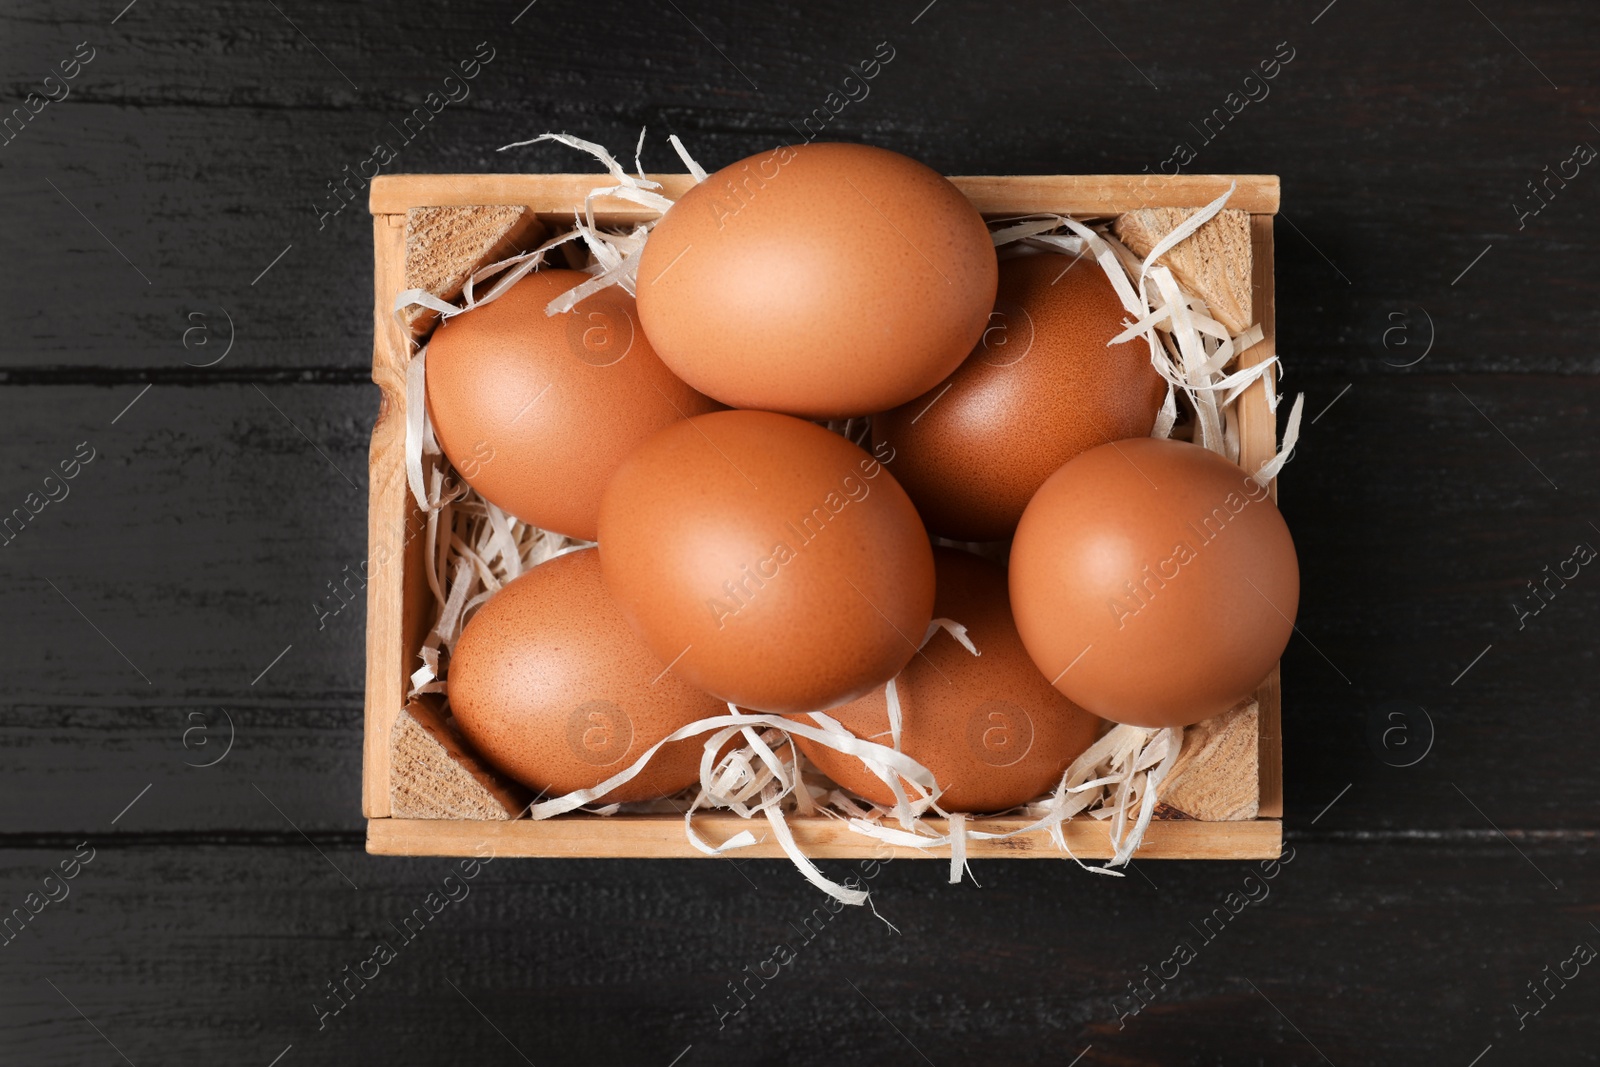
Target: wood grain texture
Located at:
point(202, 954)
point(433, 774)
point(1213, 263)
point(393, 529)
point(1419, 523)
point(445, 245)
point(555, 195)
point(1217, 775)
point(662, 836)
point(1259, 437)
point(1365, 169)
point(216, 526)
point(200, 142)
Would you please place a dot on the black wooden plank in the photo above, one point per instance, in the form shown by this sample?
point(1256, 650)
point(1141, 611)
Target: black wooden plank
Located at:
point(199, 538)
point(1416, 552)
point(1389, 195)
point(200, 954)
point(196, 541)
point(149, 602)
point(168, 761)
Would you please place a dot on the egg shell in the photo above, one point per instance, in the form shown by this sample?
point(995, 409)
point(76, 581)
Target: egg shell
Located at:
point(1154, 582)
point(820, 280)
point(550, 685)
point(1040, 387)
point(772, 563)
point(536, 411)
point(990, 727)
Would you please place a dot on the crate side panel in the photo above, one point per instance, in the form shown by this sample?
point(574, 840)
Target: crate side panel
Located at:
point(390, 515)
point(1259, 440)
point(1078, 194)
point(662, 837)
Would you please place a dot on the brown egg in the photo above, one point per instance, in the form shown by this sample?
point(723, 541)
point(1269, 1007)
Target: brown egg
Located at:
point(536, 411)
point(1040, 387)
point(550, 685)
point(989, 727)
point(768, 561)
point(820, 280)
point(1154, 582)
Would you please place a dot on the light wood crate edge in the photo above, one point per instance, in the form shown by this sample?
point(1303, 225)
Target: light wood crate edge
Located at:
point(662, 837)
point(1075, 194)
point(1258, 433)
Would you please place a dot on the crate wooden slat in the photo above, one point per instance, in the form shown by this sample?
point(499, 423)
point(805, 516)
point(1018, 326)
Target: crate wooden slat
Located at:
point(1257, 442)
point(1076, 194)
point(662, 837)
point(398, 598)
point(389, 505)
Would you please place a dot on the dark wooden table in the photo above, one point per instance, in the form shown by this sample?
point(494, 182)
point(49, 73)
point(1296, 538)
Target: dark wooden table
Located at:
point(1438, 287)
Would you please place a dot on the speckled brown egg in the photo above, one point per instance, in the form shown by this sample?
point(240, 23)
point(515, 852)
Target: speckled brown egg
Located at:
point(551, 686)
point(1154, 582)
point(989, 727)
point(820, 280)
point(536, 411)
point(770, 562)
point(1040, 387)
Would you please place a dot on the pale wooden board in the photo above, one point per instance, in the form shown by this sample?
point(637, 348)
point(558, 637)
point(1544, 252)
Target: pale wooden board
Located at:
point(386, 511)
point(662, 837)
point(1216, 778)
point(1091, 194)
point(434, 775)
point(1269, 745)
point(1258, 427)
point(444, 245)
point(1213, 262)
point(397, 594)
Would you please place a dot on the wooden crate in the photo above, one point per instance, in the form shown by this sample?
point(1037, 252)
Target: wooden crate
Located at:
point(399, 610)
